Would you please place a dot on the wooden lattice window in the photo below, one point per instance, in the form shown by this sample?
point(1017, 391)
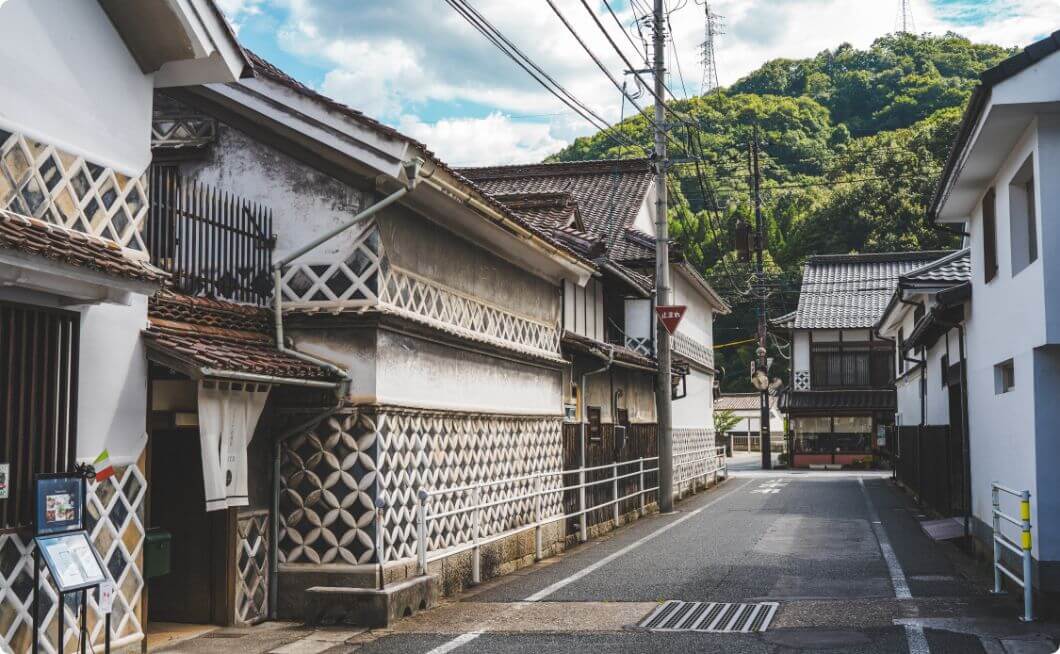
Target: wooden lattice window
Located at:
point(38, 401)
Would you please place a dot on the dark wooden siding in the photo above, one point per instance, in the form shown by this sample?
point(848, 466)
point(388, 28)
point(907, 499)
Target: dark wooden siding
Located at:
point(38, 401)
point(640, 442)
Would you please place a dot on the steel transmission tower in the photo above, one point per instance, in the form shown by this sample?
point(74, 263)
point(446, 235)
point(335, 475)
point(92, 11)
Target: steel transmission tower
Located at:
point(712, 28)
point(905, 23)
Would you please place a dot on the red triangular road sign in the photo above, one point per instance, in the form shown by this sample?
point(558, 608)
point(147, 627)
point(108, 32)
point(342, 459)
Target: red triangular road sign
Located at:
point(670, 316)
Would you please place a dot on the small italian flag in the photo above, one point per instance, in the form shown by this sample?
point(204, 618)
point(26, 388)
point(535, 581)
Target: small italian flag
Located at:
point(103, 466)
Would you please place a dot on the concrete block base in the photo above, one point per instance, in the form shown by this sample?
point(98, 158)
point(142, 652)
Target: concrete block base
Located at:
point(368, 607)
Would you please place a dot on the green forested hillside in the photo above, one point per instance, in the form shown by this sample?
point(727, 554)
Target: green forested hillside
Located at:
point(852, 145)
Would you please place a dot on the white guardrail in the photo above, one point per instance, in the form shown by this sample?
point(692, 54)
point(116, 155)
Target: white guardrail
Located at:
point(1021, 549)
point(713, 463)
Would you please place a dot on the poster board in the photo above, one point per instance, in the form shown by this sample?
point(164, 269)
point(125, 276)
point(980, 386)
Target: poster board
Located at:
point(59, 502)
point(72, 560)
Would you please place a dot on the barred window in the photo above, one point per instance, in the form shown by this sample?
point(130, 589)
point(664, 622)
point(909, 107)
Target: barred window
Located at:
point(38, 401)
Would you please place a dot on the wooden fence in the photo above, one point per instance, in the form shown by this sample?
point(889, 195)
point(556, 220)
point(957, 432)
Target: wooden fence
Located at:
point(640, 441)
point(213, 244)
point(929, 461)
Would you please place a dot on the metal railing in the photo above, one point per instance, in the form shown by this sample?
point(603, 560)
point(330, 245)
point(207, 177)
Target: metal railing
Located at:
point(1021, 549)
point(714, 464)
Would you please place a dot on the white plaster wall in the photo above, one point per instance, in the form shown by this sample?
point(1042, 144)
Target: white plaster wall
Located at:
point(415, 372)
point(800, 358)
point(112, 382)
point(111, 376)
point(698, 322)
point(305, 203)
point(583, 309)
point(752, 419)
point(1006, 320)
point(696, 409)
point(908, 388)
point(420, 246)
point(98, 101)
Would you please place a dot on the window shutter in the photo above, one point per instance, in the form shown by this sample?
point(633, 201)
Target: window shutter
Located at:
point(990, 235)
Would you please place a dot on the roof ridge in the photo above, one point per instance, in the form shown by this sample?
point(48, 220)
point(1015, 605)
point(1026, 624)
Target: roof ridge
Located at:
point(544, 169)
point(856, 257)
point(938, 263)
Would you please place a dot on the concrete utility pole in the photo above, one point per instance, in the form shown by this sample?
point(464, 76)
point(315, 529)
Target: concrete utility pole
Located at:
point(763, 361)
point(663, 389)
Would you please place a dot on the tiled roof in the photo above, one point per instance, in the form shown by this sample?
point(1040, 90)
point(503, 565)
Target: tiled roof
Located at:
point(851, 291)
point(741, 402)
point(222, 337)
point(953, 268)
point(584, 344)
point(544, 210)
point(609, 193)
point(72, 247)
point(264, 69)
point(867, 400)
point(787, 321)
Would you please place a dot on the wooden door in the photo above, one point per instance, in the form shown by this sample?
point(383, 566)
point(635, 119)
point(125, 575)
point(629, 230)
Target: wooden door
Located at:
point(178, 505)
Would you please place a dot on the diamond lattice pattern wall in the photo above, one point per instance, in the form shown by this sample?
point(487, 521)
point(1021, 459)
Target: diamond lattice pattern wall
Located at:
point(114, 518)
point(332, 475)
point(41, 181)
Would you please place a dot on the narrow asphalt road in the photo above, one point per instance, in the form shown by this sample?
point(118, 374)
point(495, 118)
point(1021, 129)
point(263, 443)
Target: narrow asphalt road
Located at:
point(842, 554)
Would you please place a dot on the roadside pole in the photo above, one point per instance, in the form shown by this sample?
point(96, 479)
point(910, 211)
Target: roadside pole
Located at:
point(763, 362)
point(663, 392)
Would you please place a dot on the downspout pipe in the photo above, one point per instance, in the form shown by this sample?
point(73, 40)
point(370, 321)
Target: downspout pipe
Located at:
point(610, 357)
point(412, 173)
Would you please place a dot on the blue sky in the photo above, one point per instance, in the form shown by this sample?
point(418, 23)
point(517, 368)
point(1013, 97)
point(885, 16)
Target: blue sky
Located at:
point(416, 65)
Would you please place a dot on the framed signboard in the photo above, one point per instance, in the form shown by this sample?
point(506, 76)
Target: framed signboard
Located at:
point(59, 501)
point(72, 561)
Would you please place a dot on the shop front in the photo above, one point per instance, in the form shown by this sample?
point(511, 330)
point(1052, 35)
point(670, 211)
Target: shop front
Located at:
point(827, 430)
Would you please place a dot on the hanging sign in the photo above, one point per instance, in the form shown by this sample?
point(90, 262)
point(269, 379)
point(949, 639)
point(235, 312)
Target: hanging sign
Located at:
point(670, 316)
point(5, 475)
point(106, 597)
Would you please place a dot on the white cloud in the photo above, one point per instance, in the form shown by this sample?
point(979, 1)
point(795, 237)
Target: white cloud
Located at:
point(404, 60)
point(237, 11)
point(495, 139)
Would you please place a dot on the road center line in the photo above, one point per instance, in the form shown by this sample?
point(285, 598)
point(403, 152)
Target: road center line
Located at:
point(463, 639)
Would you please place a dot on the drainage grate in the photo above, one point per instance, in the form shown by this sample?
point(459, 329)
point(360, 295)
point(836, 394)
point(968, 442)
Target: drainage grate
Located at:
point(711, 617)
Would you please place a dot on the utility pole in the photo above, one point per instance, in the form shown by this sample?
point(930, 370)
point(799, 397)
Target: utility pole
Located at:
point(763, 361)
point(663, 388)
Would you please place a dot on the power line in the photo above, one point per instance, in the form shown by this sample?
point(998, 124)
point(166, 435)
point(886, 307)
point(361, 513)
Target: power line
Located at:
point(497, 38)
point(592, 55)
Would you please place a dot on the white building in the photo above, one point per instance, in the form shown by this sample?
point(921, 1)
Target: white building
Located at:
point(75, 133)
point(745, 435)
point(998, 185)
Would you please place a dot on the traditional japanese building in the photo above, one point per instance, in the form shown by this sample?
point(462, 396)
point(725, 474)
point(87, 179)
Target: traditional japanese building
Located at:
point(440, 311)
point(609, 327)
point(75, 126)
point(842, 390)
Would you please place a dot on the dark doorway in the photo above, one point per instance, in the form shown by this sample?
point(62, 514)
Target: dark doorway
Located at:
point(957, 450)
point(195, 589)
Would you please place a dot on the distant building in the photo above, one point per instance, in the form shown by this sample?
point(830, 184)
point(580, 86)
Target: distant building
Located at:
point(841, 392)
point(746, 434)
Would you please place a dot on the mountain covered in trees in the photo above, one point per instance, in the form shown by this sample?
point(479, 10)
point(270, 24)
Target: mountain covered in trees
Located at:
point(852, 144)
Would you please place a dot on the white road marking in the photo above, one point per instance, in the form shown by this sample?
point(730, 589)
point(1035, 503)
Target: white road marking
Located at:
point(463, 639)
point(766, 490)
point(898, 580)
point(917, 640)
point(915, 637)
